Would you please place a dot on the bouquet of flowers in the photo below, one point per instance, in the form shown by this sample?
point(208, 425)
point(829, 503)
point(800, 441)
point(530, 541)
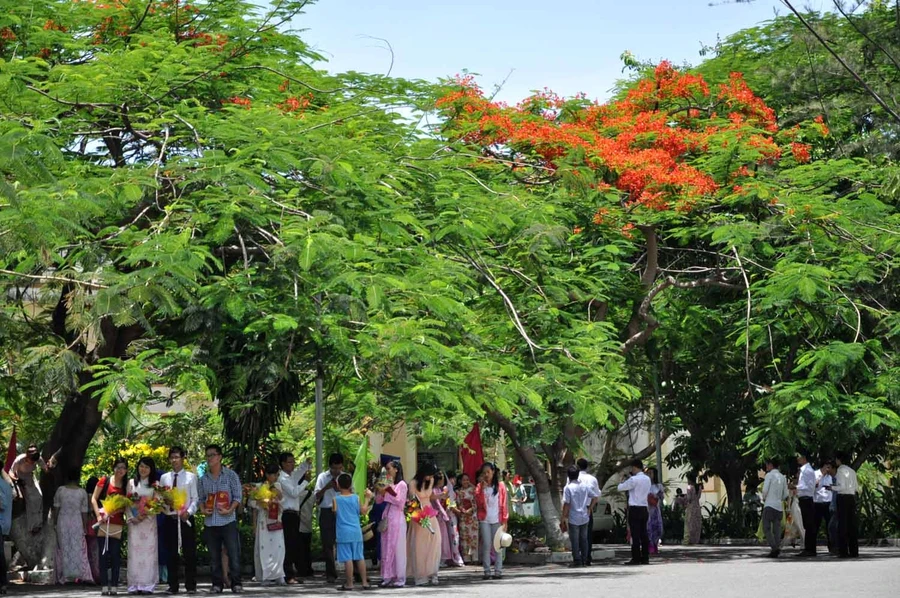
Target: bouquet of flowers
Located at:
point(146, 506)
point(382, 481)
point(176, 499)
point(412, 505)
point(264, 494)
point(423, 516)
point(116, 503)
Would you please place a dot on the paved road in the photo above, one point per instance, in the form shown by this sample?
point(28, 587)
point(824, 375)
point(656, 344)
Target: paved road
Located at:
point(688, 572)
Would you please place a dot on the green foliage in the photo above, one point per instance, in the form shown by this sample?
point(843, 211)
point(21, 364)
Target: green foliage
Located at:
point(523, 527)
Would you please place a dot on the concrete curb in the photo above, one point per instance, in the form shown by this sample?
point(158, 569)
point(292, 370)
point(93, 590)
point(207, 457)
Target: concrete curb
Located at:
point(546, 558)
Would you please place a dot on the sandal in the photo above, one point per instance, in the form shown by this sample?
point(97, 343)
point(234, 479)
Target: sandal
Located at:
point(369, 587)
point(343, 588)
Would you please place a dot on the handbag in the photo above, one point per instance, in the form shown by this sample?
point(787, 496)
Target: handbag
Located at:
point(382, 525)
point(110, 530)
point(652, 500)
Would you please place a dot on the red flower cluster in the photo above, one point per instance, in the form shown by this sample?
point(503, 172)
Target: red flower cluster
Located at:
point(296, 104)
point(800, 151)
point(823, 128)
point(50, 25)
point(643, 145)
point(202, 39)
point(239, 101)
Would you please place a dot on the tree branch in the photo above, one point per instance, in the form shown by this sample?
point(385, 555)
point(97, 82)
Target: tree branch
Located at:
point(842, 62)
point(49, 278)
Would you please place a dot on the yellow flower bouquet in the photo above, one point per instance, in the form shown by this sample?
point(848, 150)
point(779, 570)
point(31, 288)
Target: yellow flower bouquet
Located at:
point(174, 498)
point(116, 503)
point(264, 493)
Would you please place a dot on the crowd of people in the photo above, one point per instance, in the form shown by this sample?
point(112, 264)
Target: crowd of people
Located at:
point(817, 497)
point(436, 519)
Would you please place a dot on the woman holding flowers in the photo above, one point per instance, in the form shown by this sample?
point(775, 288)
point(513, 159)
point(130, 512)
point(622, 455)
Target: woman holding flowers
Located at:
point(424, 544)
point(268, 547)
point(70, 513)
point(143, 552)
point(109, 503)
point(490, 503)
point(468, 523)
point(393, 534)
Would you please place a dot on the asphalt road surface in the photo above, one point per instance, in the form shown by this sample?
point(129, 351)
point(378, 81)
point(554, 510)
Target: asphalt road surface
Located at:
point(679, 572)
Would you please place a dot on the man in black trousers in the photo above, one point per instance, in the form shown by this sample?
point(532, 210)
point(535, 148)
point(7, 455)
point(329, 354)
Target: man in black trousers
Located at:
point(585, 477)
point(846, 485)
point(806, 493)
point(289, 477)
point(638, 487)
point(181, 478)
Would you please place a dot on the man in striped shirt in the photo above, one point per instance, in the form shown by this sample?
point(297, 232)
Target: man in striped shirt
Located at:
point(220, 488)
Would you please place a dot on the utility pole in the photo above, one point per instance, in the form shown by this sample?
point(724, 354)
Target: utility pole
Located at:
point(320, 416)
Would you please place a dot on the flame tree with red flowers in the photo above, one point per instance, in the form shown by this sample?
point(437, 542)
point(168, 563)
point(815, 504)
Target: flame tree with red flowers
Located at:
point(719, 220)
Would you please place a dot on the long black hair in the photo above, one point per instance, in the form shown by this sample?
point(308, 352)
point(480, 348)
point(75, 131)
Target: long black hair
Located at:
point(495, 481)
point(398, 477)
point(426, 469)
point(148, 461)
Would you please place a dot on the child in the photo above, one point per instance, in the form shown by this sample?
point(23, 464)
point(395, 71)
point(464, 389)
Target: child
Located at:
point(346, 511)
point(578, 502)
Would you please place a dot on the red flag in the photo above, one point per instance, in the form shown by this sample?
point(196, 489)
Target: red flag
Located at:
point(11, 451)
point(471, 453)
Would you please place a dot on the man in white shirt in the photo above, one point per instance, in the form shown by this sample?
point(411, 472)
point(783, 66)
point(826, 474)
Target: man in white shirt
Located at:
point(846, 485)
point(774, 493)
point(806, 490)
point(181, 478)
point(289, 478)
point(586, 478)
point(579, 498)
point(822, 502)
point(638, 487)
point(326, 487)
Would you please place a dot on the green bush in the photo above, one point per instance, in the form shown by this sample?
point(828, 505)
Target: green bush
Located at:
point(673, 524)
point(879, 512)
point(520, 526)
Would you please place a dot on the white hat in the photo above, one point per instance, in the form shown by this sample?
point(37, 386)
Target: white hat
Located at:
point(502, 540)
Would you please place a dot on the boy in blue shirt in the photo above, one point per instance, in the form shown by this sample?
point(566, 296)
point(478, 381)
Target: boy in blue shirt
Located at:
point(349, 536)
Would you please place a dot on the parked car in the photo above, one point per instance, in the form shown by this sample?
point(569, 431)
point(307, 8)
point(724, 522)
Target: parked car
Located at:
point(604, 522)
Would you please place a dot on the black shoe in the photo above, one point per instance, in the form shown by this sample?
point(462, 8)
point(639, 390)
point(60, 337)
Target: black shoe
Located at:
point(645, 561)
point(632, 562)
point(237, 588)
point(215, 590)
point(486, 576)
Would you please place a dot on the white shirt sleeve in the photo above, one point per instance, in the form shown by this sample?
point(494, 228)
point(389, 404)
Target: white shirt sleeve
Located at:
point(193, 495)
point(627, 485)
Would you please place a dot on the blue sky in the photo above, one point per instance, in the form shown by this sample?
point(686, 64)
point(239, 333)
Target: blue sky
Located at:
point(568, 46)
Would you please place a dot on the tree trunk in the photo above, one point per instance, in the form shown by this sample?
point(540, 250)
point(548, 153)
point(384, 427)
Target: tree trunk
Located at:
point(733, 488)
point(549, 509)
point(36, 551)
point(74, 429)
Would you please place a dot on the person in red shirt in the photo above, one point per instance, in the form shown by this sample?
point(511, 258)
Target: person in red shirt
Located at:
point(492, 512)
